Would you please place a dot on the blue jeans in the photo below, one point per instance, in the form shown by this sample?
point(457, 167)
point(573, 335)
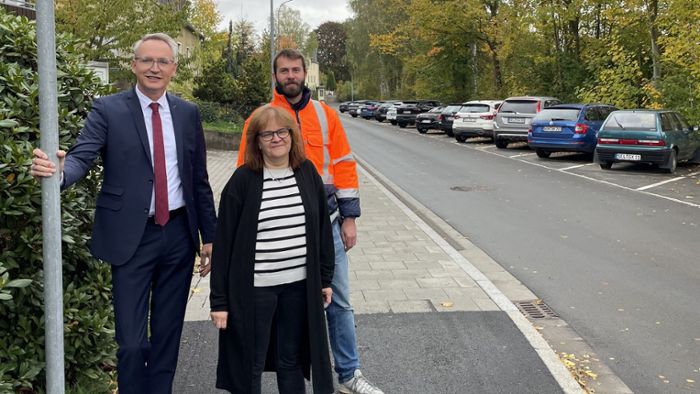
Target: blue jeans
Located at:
point(341, 320)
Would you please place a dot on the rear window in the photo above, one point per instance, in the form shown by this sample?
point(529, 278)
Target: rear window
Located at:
point(475, 108)
point(557, 114)
point(452, 108)
point(520, 106)
point(645, 121)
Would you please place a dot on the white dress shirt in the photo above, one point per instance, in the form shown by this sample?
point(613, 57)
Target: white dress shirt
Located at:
point(175, 196)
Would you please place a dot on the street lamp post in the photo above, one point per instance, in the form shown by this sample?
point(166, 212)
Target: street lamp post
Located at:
point(272, 46)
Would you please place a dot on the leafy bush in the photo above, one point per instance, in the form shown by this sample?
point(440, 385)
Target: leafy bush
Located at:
point(88, 321)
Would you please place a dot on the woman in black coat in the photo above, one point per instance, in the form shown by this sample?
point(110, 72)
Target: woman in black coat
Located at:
point(272, 265)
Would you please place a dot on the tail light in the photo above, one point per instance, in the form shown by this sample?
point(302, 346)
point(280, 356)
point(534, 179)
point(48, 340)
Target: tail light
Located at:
point(529, 130)
point(652, 142)
point(539, 106)
point(618, 141)
point(487, 117)
point(439, 117)
point(581, 128)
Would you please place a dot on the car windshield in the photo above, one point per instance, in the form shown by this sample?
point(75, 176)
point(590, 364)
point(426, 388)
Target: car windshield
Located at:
point(520, 106)
point(475, 108)
point(557, 114)
point(645, 121)
point(436, 109)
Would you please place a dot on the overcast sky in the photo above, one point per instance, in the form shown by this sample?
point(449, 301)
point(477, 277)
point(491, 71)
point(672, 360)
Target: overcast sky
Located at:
point(313, 12)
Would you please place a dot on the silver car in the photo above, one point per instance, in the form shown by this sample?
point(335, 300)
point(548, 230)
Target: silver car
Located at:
point(475, 119)
point(514, 117)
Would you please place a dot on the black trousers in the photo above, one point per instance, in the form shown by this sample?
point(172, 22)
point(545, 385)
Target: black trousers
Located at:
point(286, 305)
point(155, 283)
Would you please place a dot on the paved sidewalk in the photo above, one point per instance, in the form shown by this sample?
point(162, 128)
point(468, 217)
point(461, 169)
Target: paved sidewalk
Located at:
point(428, 320)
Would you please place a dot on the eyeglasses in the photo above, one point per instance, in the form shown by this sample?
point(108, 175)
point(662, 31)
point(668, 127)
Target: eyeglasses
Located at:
point(281, 133)
point(148, 61)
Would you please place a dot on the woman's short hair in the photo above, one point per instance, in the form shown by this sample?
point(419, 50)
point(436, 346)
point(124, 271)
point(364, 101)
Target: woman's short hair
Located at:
point(258, 122)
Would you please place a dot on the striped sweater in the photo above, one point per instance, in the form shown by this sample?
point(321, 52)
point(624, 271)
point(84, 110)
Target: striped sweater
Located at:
point(280, 249)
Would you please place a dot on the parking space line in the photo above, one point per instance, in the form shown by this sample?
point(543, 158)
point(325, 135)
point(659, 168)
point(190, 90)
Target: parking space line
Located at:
point(660, 183)
point(576, 166)
point(521, 155)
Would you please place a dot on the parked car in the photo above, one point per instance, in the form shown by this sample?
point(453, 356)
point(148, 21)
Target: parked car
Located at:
point(475, 119)
point(353, 107)
point(391, 114)
point(447, 116)
point(514, 116)
point(406, 113)
point(368, 109)
point(658, 137)
point(567, 128)
point(343, 107)
point(428, 120)
point(380, 113)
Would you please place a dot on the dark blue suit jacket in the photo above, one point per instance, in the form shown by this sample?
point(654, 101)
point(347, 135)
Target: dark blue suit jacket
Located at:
point(116, 131)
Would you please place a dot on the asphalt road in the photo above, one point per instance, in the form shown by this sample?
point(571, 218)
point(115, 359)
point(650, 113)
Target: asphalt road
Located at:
point(614, 253)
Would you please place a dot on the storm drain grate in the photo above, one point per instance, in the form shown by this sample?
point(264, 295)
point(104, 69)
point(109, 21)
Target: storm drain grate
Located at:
point(536, 309)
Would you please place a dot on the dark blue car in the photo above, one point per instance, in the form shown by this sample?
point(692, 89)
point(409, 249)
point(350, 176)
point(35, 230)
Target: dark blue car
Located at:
point(567, 128)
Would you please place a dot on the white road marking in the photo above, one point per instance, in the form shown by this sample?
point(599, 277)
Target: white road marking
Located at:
point(521, 155)
point(660, 183)
point(578, 166)
point(667, 181)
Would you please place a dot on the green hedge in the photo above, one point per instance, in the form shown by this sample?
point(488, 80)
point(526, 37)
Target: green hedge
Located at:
point(88, 322)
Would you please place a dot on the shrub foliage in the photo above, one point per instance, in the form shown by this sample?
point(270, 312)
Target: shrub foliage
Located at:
point(88, 322)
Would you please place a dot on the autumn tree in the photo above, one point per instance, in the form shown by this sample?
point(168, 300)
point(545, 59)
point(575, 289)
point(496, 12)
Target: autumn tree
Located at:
point(331, 49)
point(109, 28)
point(205, 17)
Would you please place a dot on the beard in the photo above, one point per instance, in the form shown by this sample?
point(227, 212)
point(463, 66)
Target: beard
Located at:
point(291, 90)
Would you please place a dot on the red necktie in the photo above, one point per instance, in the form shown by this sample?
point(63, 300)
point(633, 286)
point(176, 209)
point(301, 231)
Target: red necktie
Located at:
point(161, 178)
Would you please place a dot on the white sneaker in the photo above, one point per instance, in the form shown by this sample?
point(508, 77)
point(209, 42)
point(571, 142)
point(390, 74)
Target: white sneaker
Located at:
point(358, 385)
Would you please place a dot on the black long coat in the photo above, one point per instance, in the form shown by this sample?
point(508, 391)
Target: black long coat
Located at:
point(232, 288)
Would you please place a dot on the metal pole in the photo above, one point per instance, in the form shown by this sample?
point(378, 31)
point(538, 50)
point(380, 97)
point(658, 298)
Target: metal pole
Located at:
point(50, 198)
point(272, 45)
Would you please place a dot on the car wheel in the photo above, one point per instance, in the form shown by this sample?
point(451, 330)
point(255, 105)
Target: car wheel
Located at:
point(605, 165)
point(542, 153)
point(402, 125)
point(393, 122)
point(422, 130)
point(460, 138)
point(353, 115)
point(500, 144)
point(380, 120)
point(672, 162)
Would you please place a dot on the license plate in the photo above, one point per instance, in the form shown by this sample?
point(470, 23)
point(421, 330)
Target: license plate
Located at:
point(516, 120)
point(405, 112)
point(470, 119)
point(627, 156)
point(551, 129)
point(450, 118)
point(425, 121)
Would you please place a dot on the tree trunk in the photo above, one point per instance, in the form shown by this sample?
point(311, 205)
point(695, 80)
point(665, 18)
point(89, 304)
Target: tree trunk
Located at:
point(653, 7)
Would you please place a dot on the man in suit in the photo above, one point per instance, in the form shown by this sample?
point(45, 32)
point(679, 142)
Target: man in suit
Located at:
point(154, 204)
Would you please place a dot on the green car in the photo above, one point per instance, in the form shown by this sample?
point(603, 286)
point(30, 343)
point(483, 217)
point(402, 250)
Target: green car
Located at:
point(657, 137)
